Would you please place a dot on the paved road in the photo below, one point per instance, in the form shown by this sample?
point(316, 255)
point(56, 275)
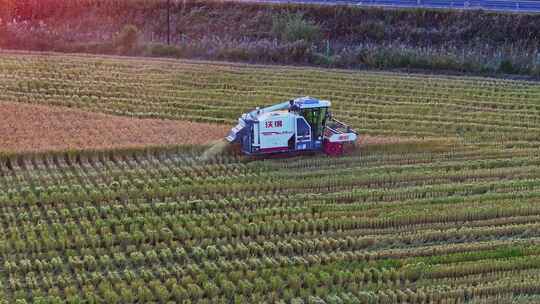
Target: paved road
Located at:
point(500, 5)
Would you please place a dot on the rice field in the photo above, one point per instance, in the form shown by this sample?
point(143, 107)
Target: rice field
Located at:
point(450, 215)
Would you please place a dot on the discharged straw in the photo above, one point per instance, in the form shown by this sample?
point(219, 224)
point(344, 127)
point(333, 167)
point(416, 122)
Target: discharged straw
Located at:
point(217, 147)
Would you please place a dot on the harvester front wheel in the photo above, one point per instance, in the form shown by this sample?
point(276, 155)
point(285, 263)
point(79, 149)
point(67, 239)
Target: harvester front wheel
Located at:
point(333, 149)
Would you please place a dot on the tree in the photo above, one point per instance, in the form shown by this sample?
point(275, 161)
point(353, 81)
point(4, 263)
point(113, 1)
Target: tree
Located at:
point(127, 39)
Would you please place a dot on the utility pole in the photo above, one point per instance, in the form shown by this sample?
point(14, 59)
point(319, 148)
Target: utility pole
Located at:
point(168, 21)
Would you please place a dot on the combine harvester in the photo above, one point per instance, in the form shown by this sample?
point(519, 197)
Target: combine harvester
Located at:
point(301, 124)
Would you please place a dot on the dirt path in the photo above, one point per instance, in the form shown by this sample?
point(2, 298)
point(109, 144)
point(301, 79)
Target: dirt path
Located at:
point(25, 127)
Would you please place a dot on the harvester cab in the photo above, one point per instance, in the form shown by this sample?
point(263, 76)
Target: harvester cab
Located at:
point(301, 124)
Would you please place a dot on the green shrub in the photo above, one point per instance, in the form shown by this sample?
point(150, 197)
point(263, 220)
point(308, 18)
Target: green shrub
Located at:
point(233, 53)
point(322, 60)
point(126, 41)
point(506, 66)
point(163, 50)
point(293, 27)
